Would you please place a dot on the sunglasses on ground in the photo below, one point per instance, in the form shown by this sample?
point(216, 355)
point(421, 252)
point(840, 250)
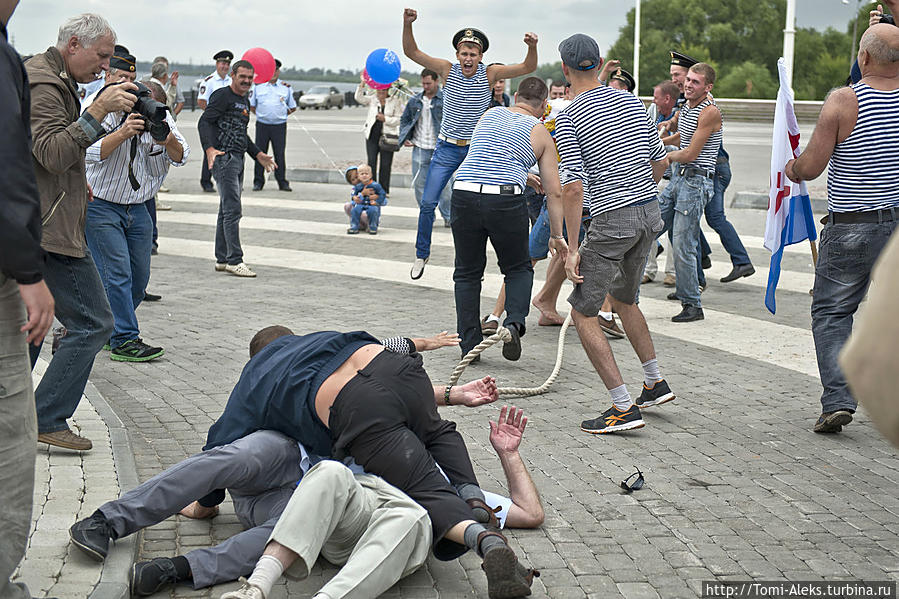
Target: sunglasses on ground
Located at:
point(630, 487)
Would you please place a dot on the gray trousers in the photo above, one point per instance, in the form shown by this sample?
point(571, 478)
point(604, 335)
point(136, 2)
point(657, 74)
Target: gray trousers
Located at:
point(374, 530)
point(260, 472)
point(18, 438)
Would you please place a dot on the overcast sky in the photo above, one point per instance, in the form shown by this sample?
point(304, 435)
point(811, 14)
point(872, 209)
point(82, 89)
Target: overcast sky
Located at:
point(340, 33)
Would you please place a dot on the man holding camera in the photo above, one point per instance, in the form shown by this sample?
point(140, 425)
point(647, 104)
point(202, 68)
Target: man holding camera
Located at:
point(62, 135)
point(223, 133)
point(125, 169)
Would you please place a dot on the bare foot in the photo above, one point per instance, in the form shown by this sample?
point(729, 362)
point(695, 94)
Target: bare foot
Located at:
point(549, 317)
point(199, 512)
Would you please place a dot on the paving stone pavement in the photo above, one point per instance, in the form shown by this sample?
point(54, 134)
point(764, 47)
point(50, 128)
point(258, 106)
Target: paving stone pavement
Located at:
point(737, 485)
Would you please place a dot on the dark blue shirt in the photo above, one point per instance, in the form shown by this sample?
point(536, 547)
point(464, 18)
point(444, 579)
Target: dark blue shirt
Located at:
point(276, 390)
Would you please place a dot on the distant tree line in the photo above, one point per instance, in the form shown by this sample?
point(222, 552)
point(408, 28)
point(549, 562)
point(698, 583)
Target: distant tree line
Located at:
point(742, 39)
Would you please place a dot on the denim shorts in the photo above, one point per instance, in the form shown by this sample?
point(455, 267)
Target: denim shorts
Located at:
point(538, 241)
point(613, 256)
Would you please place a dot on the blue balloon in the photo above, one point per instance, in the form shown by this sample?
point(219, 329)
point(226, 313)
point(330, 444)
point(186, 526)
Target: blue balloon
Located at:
point(383, 66)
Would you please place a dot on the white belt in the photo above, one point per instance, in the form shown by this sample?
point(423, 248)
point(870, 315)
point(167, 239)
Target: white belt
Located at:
point(505, 190)
point(455, 142)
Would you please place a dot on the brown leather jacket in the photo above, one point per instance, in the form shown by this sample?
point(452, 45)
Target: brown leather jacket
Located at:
point(59, 147)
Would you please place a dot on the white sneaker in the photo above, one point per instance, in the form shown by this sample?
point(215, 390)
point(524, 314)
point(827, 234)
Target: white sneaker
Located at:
point(161, 206)
point(246, 591)
point(221, 266)
point(164, 189)
point(418, 268)
point(239, 270)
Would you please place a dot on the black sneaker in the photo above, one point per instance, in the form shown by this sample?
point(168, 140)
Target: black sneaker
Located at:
point(136, 350)
point(614, 420)
point(688, 314)
point(656, 395)
point(152, 576)
point(151, 297)
point(92, 535)
point(832, 422)
point(512, 348)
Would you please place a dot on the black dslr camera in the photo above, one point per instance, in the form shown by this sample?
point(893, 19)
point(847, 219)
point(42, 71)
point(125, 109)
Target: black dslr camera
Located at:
point(153, 112)
point(887, 19)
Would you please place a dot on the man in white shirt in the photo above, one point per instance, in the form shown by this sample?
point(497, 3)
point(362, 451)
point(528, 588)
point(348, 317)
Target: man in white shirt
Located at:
point(125, 168)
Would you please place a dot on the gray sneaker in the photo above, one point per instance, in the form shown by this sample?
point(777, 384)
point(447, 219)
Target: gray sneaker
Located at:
point(418, 268)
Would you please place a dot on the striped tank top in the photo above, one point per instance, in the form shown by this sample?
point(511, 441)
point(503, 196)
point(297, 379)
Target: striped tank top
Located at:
point(464, 101)
point(864, 168)
point(689, 118)
point(500, 152)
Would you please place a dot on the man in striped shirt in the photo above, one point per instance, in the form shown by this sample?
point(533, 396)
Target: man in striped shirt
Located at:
point(488, 203)
point(692, 184)
point(612, 152)
point(467, 92)
point(856, 134)
point(125, 169)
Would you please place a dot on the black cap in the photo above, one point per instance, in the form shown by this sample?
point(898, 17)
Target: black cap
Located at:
point(682, 60)
point(472, 36)
point(626, 78)
point(277, 64)
point(122, 59)
point(580, 48)
point(224, 55)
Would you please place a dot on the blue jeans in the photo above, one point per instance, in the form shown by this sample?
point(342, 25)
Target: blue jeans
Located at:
point(538, 239)
point(444, 162)
point(374, 216)
point(846, 254)
point(120, 238)
point(681, 204)
point(421, 163)
point(228, 173)
point(504, 220)
point(82, 308)
point(714, 216)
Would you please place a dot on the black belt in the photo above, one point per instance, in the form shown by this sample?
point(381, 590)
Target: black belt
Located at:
point(869, 216)
point(689, 171)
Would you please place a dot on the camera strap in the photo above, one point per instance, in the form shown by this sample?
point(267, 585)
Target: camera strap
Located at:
point(135, 184)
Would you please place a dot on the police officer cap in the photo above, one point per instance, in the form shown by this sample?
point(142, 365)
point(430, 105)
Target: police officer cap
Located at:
point(580, 52)
point(277, 64)
point(682, 60)
point(626, 78)
point(224, 55)
point(472, 36)
point(122, 60)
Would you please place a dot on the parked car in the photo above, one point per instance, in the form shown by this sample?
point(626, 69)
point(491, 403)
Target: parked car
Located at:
point(322, 96)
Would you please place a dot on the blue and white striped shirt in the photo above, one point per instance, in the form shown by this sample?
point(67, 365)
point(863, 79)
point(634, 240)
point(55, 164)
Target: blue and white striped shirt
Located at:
point(606, 141)
point(465, 99)
point(864, 168)
point(500, 152)
point(108, 177)
point(687, 123)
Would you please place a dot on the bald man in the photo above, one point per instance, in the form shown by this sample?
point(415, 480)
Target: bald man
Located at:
point(856, 135)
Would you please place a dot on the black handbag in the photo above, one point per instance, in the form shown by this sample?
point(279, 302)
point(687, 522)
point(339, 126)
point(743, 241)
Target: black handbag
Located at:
point(389, 142)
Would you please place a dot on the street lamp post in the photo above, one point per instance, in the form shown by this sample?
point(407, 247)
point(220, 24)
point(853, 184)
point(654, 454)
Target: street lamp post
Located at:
point(852, 52)
point(637, 48)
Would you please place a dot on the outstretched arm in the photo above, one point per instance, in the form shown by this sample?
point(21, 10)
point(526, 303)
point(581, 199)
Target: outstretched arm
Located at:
point(471, 394)
point(507, 71)
point(410, 48)
point(505, 437)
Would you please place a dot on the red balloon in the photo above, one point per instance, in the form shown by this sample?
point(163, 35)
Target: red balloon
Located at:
point(263, 63)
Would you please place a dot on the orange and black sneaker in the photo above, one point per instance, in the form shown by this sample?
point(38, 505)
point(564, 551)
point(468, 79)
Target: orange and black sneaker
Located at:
point(656, 395)
point(614, 420)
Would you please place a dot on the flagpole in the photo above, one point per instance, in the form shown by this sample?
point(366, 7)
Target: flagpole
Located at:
point(637, 48)
point(789, 35)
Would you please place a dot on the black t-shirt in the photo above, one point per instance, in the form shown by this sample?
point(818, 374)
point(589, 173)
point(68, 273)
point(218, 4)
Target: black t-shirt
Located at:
point(223, 125)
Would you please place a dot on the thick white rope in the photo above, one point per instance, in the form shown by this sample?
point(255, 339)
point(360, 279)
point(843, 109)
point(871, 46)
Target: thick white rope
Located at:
point(503, 334)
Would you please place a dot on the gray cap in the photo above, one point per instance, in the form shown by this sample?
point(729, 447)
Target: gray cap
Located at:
point(580, 48)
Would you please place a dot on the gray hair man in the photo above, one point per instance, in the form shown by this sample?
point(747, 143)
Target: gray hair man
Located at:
point(62, 135)
point(855, 135)
point(609, 146)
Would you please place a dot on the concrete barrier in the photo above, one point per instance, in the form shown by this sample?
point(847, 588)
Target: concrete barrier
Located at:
point(761, 111)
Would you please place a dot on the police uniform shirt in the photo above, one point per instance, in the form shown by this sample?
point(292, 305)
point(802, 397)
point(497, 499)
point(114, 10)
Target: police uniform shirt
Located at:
point(272, 101)
point(212, 83)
